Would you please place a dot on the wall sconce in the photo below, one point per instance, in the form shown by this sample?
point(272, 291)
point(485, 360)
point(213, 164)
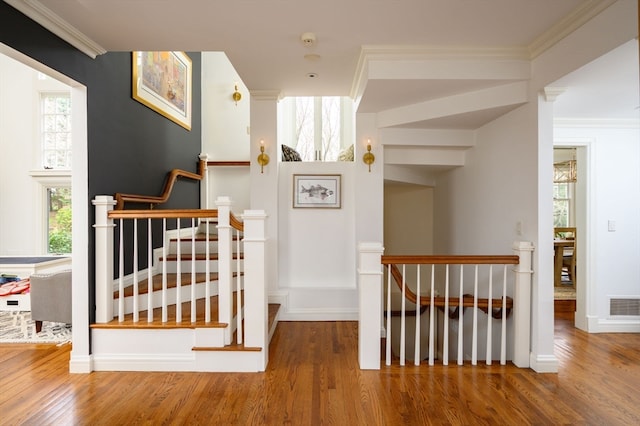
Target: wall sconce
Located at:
point(368, 156)
point(263, 159)
point(236, 95)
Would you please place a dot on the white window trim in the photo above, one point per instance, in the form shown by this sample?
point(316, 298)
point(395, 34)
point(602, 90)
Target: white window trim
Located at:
point(46, 179)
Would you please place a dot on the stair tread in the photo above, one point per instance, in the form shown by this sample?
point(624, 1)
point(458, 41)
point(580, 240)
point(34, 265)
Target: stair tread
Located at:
point(171, 314)
point(201, 237)
point(232, 347)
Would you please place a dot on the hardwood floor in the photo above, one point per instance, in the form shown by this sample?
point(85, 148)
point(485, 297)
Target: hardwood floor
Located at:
point(313, 378)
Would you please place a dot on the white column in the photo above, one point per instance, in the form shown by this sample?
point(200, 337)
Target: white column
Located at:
point(256, 319)
point(104, 258)
point(370, 301)
point(225, 259)
point(522, 304)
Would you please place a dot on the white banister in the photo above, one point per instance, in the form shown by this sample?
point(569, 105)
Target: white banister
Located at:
point(522, 304)
point(256, 330)
point(104, 257)
point(225, 256)
point(370, 301)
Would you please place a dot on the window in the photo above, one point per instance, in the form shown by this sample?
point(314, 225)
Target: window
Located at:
point(564, 181)
point(59, 220)
point(56, 130)
point(318, 127)
point(562, 201)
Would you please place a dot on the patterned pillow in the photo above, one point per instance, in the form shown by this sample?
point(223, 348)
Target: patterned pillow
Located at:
point(290, 154)
point(346, 154)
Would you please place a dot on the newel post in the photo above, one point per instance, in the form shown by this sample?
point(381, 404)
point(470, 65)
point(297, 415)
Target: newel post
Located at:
point(225, 261)
point(522, 304)
point(204, 169)
point(104, 257)
point(256, 333)
point(370, 301)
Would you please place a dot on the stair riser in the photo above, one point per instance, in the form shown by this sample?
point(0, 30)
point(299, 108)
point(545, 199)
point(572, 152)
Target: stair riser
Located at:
point(200, 246)
point(200, 266)
point(185, 292)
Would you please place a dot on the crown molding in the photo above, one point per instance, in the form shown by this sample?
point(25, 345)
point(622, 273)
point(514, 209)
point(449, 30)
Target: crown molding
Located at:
point(58, 26)
point(578, 17)
point(552, 93)
point(424, 52)
point(265, 95)
point(602, 123)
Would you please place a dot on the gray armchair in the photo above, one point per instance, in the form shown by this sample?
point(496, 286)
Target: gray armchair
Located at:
point(51, 298)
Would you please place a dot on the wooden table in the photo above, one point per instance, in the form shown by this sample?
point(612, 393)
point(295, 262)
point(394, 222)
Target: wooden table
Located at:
point(559, 246)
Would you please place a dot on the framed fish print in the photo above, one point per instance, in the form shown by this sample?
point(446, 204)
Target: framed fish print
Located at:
point(162, 82)
point(317, 191)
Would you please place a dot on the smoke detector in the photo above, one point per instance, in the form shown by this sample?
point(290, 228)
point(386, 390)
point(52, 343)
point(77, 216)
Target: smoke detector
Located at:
point(308, 39)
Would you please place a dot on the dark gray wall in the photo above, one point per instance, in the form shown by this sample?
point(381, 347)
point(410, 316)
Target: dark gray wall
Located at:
point(130, 147)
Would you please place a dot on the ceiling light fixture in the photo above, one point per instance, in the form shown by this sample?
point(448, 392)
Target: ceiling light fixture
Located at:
point(308, 39)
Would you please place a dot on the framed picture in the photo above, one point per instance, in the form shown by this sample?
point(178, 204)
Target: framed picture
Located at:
point(316, 191)
point(162, 81)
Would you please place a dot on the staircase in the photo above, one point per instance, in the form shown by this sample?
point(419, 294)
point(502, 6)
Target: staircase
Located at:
point(186, 311)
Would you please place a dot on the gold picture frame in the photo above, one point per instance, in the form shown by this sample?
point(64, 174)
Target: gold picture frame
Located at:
point(162, 82)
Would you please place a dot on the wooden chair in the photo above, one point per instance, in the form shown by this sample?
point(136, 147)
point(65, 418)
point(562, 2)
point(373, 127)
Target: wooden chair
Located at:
point(569, 252)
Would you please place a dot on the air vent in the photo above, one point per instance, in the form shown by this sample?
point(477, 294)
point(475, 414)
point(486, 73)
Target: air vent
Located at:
point(624, 307)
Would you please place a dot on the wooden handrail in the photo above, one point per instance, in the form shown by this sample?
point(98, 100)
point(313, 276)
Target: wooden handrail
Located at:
point(228, 163)
point(480, 259)
point(169, 213)
point(236, 223)
point(166, 192)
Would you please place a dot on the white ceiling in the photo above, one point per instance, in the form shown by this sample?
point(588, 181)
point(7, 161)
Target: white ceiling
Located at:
point(262, 39)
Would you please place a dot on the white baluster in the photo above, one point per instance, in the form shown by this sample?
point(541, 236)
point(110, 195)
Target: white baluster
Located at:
point(503, 343)
point(474, 338)
point(388, 331)
point(432, 311)
point(416, 355)
point(402, 316)
point(490, 316)
point(121, 273)
point(136, 306)
point(165, 242)
point(193, 269)
point(460, 317)
point(445, 337)
point(149, 272)
point(178, 274)
point(207, 272)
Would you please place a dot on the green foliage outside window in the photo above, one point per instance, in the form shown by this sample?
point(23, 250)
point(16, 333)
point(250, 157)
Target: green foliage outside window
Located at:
point(59, 220)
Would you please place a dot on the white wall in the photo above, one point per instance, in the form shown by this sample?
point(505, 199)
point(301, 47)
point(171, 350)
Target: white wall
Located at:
point(225, 129)
point(613, 173)
point(408, 219)
point(317, 247)
point(22, 232)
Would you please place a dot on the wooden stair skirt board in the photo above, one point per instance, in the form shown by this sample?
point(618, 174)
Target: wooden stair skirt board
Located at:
point(173, 347)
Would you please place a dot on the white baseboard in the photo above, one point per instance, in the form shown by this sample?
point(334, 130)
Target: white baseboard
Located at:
point(605, 325)
point(543, 363)
point(80, 364)
point(319, 314)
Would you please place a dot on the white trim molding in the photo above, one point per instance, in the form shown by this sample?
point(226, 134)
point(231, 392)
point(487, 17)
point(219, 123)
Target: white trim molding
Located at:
point(54, 23)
